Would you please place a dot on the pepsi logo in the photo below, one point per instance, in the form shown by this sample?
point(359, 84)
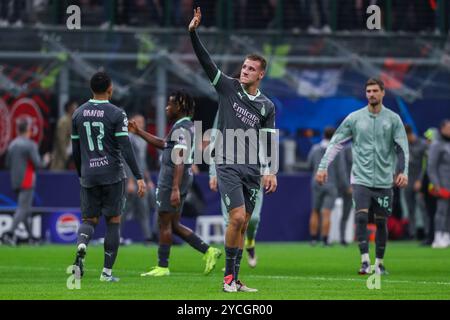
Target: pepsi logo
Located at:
point(67, 226)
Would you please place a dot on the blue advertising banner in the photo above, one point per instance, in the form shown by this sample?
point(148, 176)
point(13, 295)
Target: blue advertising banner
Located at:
point(284, 216)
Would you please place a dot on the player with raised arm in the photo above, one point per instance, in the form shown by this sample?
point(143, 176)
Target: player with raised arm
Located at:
point(100, 143)
point(253, 224)
point(379, 142)
point(174, 182)
point(243, 112)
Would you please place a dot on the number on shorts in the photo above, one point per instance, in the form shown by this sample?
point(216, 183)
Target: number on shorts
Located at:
point(383, 202)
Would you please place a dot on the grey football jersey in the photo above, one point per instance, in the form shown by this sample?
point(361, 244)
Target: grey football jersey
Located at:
point(97, 124)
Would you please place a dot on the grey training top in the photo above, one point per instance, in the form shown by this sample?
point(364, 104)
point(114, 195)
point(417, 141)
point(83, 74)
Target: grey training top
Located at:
point(439, 163)
point(23, 159)
point(336, 170)
point(417, 153)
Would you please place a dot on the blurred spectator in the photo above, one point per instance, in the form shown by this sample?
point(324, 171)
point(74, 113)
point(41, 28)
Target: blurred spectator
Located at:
point(136, 207)
point(305, 139)
point(297, 14)
point(413, 16)
point(156, 10)
point(417, 152)
point(324, 196)
point(319, 17)
point(62, 147)
point(11, 13)
point(439, 172)
point(429, 199)
point(22, 160)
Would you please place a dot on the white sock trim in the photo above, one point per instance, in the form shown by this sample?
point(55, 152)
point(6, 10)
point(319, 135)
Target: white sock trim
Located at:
point(365, 258)
point(107, 271)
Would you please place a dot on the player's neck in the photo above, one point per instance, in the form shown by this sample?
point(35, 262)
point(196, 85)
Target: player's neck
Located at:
point(375, 109)
point(180, 117)
point(251, 89)
point(101, 97)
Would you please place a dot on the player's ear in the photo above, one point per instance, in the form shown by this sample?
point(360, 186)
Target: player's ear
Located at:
point(261, 75)
point(110, 90)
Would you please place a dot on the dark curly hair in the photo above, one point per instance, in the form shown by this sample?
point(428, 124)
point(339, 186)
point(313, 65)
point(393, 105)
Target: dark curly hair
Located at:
point(184, 101)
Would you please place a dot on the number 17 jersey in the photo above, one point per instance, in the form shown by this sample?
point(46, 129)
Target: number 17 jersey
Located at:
point(98, 125)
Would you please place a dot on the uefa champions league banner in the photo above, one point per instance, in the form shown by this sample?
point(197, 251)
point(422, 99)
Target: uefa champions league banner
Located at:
point(56, 213)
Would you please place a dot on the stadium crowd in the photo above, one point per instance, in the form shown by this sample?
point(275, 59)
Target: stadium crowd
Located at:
point(312, 16)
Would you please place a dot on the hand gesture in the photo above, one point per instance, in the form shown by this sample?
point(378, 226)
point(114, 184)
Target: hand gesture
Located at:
point(195, 22)
point(132, 126)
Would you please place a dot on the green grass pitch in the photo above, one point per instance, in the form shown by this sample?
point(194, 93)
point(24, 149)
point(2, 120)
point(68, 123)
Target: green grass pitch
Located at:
point(288, 271)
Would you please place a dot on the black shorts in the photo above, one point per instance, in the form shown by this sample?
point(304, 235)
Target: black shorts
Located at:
point(378, 201)
point(323, 197)
point(108, 200)
point(238, 185)
point(164, 189)
point(163, 200)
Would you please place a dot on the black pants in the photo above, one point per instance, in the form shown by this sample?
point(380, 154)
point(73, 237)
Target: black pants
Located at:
point(11, 10)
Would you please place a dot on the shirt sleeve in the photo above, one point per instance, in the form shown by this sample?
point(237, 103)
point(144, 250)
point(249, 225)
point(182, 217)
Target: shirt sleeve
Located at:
point(181, 138)
point(74, 135)
point(309, 160)
point(401, 142)
point(340, 137)
point(35, 156)
point(121, 125)
point(269, 123)
point(220, 81)
point(76, 152)
point(212, 166)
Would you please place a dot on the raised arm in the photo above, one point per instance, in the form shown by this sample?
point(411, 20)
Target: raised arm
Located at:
point(150, 138)
point(203, 56)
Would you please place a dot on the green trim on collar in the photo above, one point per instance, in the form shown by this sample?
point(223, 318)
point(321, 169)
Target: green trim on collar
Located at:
point(251, 97)
point(182, 119)
point(99, 101)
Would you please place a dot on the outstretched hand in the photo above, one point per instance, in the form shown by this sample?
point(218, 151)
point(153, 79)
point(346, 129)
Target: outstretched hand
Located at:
point(132, 126)
point(195, 22)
